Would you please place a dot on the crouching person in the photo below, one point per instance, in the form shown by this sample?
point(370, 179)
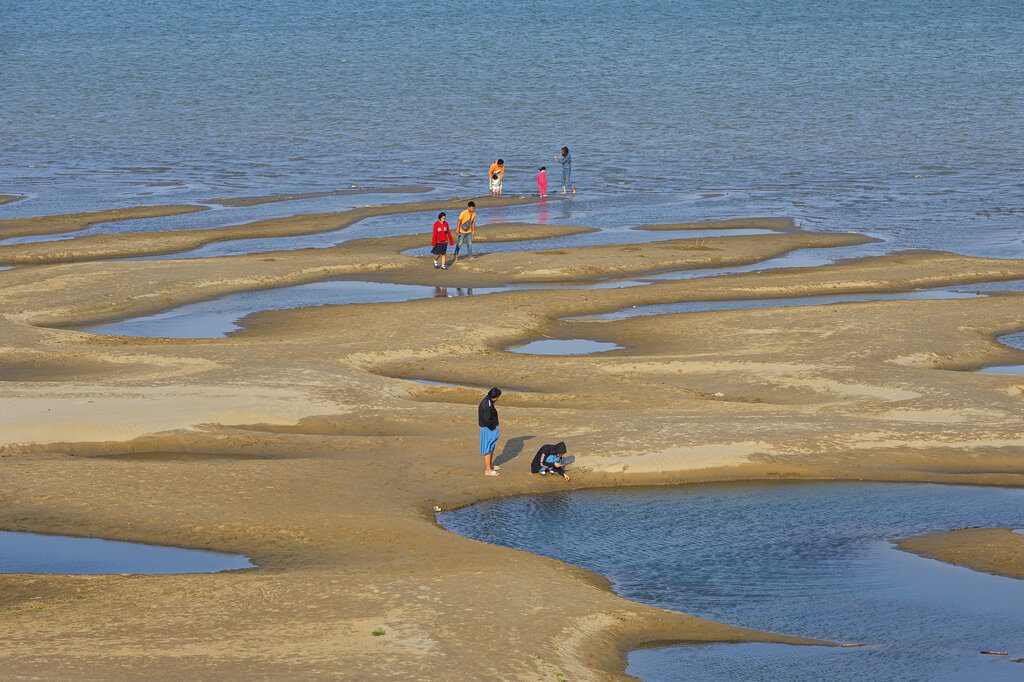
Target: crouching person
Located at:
point(549, 460)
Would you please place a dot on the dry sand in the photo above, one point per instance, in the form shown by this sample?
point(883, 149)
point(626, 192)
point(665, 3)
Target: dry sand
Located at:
point(989, 550)
point(348, 459)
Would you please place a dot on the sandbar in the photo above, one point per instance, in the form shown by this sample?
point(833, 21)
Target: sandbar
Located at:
point(989, 550)
point(299, 196)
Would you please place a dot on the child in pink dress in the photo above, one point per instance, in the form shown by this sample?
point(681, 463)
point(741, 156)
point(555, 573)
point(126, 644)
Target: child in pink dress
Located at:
point(542, 181)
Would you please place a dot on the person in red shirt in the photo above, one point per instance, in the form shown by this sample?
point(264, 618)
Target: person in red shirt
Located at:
point(441, 240)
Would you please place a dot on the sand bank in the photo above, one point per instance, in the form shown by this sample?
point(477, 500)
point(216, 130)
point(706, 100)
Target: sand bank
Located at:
point(159, 242)
point(73, 222)
point(778, 224)
point(348, 461)
point(276, 198)
point(10, 198)
point(989, 550)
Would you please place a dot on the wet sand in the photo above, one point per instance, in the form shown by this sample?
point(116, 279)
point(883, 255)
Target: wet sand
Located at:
point(276, 198)
point(779, 224)
point(159, 242)
point(74, 222)
point(989, 550)
point(10, 198)
point(335, 504)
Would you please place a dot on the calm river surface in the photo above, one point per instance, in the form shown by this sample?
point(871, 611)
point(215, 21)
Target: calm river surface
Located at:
point(811, 559)
point(899, 118)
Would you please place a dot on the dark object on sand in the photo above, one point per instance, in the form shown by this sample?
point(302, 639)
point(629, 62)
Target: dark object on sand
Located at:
point(549, 459)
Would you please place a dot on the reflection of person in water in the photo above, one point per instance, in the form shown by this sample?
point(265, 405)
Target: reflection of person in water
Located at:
point(464, 292)
point(440, 292)
point(548, 460)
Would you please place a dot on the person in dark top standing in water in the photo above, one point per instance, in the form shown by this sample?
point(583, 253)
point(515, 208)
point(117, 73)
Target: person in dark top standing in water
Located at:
point(548, 460)
point(487, 416)
point(566, 162)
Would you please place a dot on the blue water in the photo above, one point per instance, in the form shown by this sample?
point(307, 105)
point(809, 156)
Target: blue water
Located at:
point(809, 559)
point(902, 118)
point(35, 553)
point(221, 316)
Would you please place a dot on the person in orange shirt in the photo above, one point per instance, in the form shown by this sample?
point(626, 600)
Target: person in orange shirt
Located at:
point(465, 228)
point(499, 168)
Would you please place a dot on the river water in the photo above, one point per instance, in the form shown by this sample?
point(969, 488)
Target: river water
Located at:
point(811, 559)
point(900, 118)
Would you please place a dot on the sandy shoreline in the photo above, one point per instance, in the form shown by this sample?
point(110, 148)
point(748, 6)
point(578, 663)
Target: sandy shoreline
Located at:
point(340, 522)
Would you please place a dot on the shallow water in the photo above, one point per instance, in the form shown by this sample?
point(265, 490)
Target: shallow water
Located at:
point(565, 347)
point(898, 117)
point(35, 553)
point(1002, 369)
point(809, 559)
point(756, 304)
point(218, 317)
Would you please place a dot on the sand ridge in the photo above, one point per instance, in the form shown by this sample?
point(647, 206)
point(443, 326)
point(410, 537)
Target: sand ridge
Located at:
point(989, 550)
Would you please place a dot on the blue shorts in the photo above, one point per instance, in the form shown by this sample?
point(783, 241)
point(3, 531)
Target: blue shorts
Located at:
point(488, 440)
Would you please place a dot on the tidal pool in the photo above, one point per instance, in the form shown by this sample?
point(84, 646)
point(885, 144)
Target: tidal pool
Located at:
point(220, 316)
point(37, 553)
point(565, 347)
point(812, 559)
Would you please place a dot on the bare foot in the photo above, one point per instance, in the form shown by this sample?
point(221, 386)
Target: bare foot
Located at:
point(472, 258)
point(574, 191)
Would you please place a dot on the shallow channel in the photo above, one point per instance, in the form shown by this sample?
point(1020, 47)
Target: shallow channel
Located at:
point(61, 554)
point(812, 559)
point(759, 303)
point(220, 316)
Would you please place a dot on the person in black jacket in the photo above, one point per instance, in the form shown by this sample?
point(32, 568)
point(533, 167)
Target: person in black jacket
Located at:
point(549, 460)
point(487, 415)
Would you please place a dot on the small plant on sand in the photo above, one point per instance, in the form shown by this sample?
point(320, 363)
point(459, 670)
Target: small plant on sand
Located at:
point(377, 632)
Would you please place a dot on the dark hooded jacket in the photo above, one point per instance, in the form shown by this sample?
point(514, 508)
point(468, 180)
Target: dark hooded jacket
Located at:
point(487, 414)
point(539, 459)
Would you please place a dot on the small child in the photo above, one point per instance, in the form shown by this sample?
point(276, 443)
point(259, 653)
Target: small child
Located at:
point(549, 460)
point(440, 241)
point(542, 181)
point(496, 184)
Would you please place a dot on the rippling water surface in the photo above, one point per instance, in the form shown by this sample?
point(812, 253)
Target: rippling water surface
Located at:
point(809, 559)
point(902, 118)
